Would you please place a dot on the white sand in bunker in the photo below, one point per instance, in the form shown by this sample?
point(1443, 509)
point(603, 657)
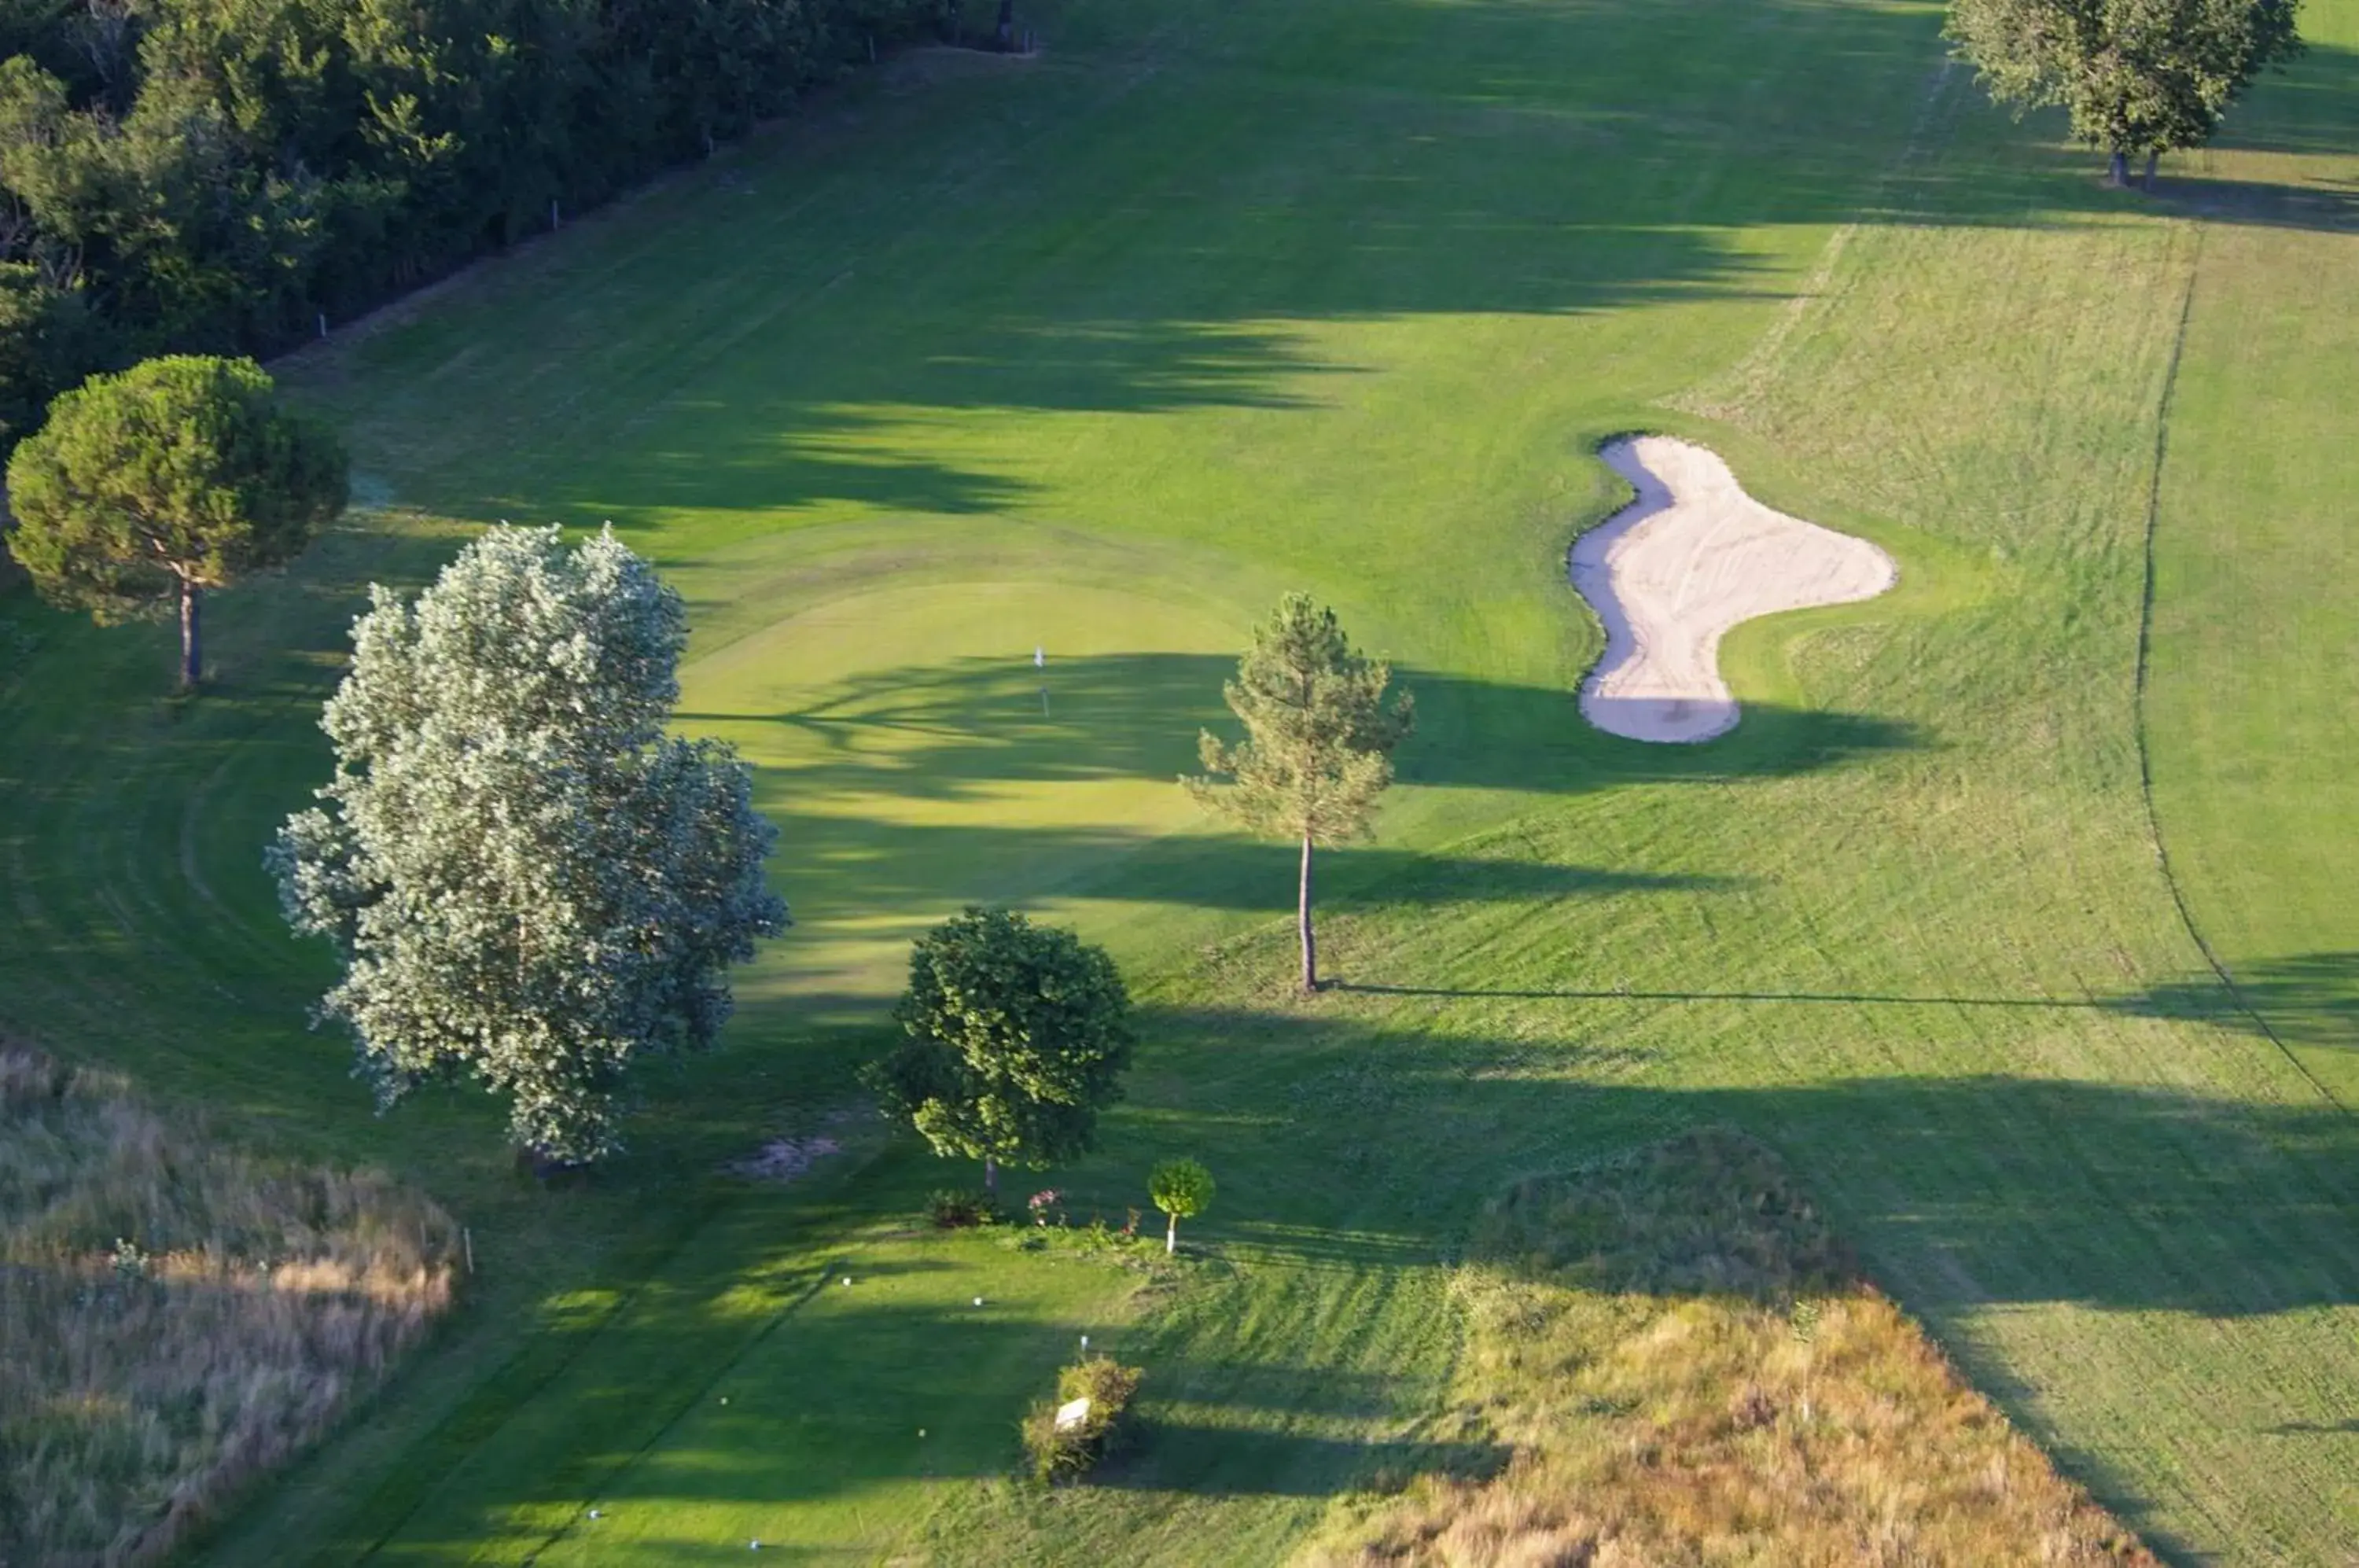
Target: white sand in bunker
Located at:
point(1671, 572)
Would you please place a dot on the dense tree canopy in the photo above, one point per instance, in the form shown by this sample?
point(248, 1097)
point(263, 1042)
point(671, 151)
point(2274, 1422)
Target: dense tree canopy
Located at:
point(526, 880)
point(1318, 747)
point(212, 174)
point(179, 475)
point(2137, 76)
point(1017, 1034)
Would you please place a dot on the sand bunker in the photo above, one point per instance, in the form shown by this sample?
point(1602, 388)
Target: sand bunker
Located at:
point(1671, 572)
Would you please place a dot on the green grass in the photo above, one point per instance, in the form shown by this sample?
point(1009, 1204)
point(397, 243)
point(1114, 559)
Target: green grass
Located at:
point(2252, 704)
point(1098, 352)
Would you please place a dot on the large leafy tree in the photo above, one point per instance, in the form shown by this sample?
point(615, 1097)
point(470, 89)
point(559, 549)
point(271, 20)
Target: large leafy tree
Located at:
point(526, 880)
point(1318, 747)
point(2137, 76)
point(179, 475)
point(50, 340)
point(1017, 1034)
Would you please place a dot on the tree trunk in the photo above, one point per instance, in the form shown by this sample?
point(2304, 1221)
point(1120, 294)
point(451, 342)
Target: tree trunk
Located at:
point(991, 1175)
point(2152, 159)
point(1302, 922)
point(1171, 1236)
point(2117, 170)
point(192, 662)
point(1006, 25)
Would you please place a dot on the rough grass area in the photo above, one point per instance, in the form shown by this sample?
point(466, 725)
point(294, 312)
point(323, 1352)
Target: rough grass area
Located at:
point(1690, 1371)
point(177, 1316)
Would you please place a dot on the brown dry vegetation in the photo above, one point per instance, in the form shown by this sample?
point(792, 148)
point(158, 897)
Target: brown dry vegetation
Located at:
point(177, 1316)
point(1688, 1371)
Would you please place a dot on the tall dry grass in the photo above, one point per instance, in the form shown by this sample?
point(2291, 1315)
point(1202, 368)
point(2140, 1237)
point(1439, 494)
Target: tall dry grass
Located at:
point(177, 1316)
point(1688, 1371)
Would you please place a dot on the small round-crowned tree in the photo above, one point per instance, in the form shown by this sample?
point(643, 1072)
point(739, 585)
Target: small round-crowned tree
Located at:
point(1183, 1189)
point(1017, 1034)
point(179, 475)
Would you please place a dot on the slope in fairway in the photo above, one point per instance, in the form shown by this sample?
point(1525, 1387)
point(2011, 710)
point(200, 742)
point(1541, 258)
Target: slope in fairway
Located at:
point(1202, 304)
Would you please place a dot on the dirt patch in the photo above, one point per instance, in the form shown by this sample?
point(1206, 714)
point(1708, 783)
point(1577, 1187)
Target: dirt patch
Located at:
point(784, 1158)
point(1673, 570)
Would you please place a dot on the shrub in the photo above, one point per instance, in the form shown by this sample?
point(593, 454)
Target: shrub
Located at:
point(956, 1208)
point(1072, 1451)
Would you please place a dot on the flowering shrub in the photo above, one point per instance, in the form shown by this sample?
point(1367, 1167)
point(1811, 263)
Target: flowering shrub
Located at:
point(1069, 1450)
point(1042, 1202)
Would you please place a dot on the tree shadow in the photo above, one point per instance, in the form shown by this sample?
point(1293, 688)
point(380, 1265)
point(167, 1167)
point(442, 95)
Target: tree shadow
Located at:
point(962, 727)
point(1959, 1192)
point(857, 789)
point(1627, 994)
point(1221, 1460)
point(2327, 207)
point(2311, 998)
point(1487, 157)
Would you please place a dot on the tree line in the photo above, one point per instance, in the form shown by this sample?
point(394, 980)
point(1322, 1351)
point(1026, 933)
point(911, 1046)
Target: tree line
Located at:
point(215, 175)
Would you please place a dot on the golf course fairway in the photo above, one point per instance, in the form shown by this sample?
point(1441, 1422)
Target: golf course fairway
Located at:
point(1091, 356)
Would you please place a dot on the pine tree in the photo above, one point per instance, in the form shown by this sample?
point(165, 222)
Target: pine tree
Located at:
point(179, 475)
point(1318, 747)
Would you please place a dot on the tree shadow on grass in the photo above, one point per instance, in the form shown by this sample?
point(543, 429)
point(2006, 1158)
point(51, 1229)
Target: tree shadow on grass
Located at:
point(1507, 160)
point(1223, 1461)
point(965, 725)
point(1350, 1145)
point(1963, 1191)
point(2332, 209)
point(1630, 993)
point(2311, 998)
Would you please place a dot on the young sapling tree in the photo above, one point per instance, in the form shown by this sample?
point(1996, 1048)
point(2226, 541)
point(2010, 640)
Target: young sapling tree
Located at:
point(1183, 1189)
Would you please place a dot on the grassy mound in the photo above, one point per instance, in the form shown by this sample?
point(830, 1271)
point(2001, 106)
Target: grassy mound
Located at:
point(1691, 1372)
point(176, 1317)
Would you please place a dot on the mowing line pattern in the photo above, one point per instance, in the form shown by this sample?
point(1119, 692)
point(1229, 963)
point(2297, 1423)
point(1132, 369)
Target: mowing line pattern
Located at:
point(1101, 353)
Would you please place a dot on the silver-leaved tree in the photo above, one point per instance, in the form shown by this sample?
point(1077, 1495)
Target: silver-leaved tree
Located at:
point(526, 880)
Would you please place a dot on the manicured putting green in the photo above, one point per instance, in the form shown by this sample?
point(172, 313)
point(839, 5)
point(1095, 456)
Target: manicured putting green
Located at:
point(918, 757)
